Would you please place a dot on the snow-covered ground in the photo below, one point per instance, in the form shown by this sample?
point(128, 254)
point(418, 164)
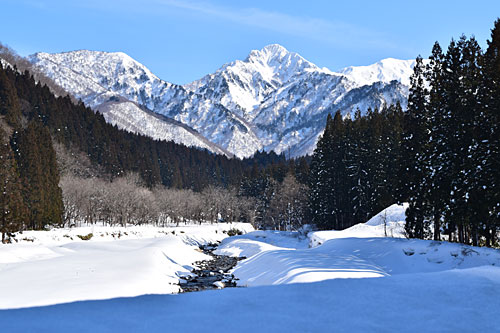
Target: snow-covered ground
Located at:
point(360, 281)
point(450, 301)
point(49, 267)
point(361, 251)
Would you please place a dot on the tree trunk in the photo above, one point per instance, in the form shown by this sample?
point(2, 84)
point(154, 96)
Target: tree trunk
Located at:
point(474, 236)
point(437, 226)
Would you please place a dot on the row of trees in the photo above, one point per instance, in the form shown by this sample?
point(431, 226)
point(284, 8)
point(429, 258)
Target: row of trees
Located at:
point(354, 167)
point(125, 201)
point(29, 177)
point(442, 155)
point(451, 143)
point(30, 196)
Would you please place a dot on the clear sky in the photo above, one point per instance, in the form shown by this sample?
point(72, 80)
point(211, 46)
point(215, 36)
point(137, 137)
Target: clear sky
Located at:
point(180, 41)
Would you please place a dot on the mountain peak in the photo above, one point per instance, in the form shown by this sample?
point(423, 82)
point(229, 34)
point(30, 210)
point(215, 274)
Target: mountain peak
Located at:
point(89, 58)
point(277, 59)
point(275, 49)
point(273, 53)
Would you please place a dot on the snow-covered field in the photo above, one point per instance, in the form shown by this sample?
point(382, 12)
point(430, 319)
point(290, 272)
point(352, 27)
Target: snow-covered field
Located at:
point(359, 281)
point(361, 251)
point(49, 267)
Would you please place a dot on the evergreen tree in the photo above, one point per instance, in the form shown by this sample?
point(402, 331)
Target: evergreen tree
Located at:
point(13, 212)
point(39, 174)
point(357, 169)
point(339, 183)
point(414, 172)
point(9, 102)
point(436, 187)
point(464, 206)
point(321, 179)
point(487, 154)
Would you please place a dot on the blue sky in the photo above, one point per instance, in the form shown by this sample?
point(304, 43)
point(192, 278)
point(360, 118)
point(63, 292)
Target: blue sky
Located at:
point(181, 41)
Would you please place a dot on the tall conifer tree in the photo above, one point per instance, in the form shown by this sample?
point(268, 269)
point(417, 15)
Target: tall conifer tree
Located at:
point(38, 169)
point(13, 213)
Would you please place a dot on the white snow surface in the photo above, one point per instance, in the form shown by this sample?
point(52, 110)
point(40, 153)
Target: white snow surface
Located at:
point(272, 100)
point(5, 64)
point(393, 217)
point(49, 267)
point(361, 251)
point(385, 70)
point(356, 282)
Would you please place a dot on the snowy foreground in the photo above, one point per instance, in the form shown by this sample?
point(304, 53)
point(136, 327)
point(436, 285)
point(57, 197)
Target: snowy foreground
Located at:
point(57, 266)
point(359, 280)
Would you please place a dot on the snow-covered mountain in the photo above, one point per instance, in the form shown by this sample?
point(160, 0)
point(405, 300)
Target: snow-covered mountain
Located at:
point(272, 100)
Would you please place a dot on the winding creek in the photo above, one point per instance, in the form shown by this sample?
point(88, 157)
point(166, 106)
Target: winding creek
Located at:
point(210, 274)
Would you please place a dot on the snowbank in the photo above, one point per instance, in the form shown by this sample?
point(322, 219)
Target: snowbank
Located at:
point(388, 223)
point(422, 286)
point(361, 251)
point(191, 233)
point(57, 266)
point(347, 258)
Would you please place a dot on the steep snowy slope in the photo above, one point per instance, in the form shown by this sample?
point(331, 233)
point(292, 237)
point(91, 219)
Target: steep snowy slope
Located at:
point(134, 118)
point(95, 76)
point(272, 100)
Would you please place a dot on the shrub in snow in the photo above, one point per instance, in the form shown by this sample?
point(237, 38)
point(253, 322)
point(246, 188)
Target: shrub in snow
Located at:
point(86, 237)
point(305, 229)
point(233, 232)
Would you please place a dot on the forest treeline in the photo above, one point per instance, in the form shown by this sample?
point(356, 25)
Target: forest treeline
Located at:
point(441, 155)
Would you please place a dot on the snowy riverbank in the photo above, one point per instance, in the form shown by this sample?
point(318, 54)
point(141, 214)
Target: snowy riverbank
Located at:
point(50, 267)
point(361, 251)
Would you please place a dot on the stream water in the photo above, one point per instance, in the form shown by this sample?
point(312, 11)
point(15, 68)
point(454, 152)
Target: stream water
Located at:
point(210, 274)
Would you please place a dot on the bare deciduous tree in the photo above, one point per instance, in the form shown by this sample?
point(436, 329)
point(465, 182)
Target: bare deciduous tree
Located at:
point(288, 206)
point(126, 201)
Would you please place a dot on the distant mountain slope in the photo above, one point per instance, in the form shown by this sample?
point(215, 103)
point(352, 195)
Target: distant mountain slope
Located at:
point(117, 86)
point(132, 117)
point(272, 100)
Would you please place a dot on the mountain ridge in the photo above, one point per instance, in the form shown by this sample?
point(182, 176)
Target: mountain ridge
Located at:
point(274, 99)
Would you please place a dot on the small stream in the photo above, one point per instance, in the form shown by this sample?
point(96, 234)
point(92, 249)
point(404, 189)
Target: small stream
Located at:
point(210, 274)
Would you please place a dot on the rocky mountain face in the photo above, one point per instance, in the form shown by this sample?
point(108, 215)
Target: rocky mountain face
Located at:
point(272, 100)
